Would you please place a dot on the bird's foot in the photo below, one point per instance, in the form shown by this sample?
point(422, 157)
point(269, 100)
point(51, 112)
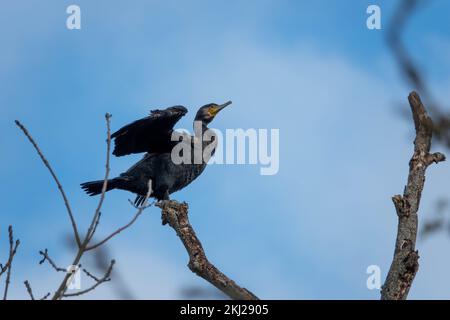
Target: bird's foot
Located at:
point(141, 207)
point(162, 203)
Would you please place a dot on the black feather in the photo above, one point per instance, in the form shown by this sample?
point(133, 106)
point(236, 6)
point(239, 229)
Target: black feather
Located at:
point(150, 134)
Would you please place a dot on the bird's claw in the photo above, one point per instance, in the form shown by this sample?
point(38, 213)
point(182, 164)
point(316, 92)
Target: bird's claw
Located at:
point(140, 207)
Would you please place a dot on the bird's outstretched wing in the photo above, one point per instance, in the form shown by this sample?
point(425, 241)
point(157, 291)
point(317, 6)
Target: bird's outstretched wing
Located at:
point(150, 134)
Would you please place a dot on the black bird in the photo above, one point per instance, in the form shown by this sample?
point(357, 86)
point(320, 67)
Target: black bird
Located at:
point(153, 135)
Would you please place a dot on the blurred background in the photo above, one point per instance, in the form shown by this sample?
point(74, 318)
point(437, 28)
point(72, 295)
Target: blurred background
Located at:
point(336, 90)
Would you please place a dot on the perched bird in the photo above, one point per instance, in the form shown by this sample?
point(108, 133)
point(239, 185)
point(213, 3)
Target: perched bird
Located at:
point(153, 135)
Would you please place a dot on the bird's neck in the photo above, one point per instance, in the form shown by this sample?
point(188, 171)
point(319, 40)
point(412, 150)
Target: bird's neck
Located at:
point(208, 140)
point(200, 127)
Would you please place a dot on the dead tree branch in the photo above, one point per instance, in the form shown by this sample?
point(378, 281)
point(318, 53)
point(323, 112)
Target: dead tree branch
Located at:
point(13, 245)
point(405, 262)
point(176, 215)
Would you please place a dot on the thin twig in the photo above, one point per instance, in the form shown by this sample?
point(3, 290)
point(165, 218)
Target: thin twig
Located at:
point(90, 275)
point(129, 224)
point(105, 278)
point(405, 262)
point(8, 266)
point(97, 214)
point(60, 292)
point(97, 222)
point(55, 178)
point(29, 290)
point(4, 268)
point(176, 215)
point(46, 296)
point(46, 257)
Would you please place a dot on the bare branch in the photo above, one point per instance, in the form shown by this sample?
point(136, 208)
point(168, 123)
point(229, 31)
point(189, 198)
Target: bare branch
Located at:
point(97, 214)
point(46, 257)
point(176, 215)
point(90, 275)
point(105, 278)
point(8, 265)
point(55, 178)
point(405, 262)
point(4, 268)
point(29, 290)
point(129, 224)
point(95, 220)
point(45, 297)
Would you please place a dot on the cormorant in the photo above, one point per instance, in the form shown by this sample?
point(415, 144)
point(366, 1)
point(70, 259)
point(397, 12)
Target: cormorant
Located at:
point(153, 135)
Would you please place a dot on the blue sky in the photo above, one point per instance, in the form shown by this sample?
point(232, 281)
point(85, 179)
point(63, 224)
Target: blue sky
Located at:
point(309, 68)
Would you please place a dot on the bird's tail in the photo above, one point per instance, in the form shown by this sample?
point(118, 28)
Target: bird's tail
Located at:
point(94, 188)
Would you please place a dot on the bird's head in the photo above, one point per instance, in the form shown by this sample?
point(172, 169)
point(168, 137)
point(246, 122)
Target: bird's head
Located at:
point(207, 113)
